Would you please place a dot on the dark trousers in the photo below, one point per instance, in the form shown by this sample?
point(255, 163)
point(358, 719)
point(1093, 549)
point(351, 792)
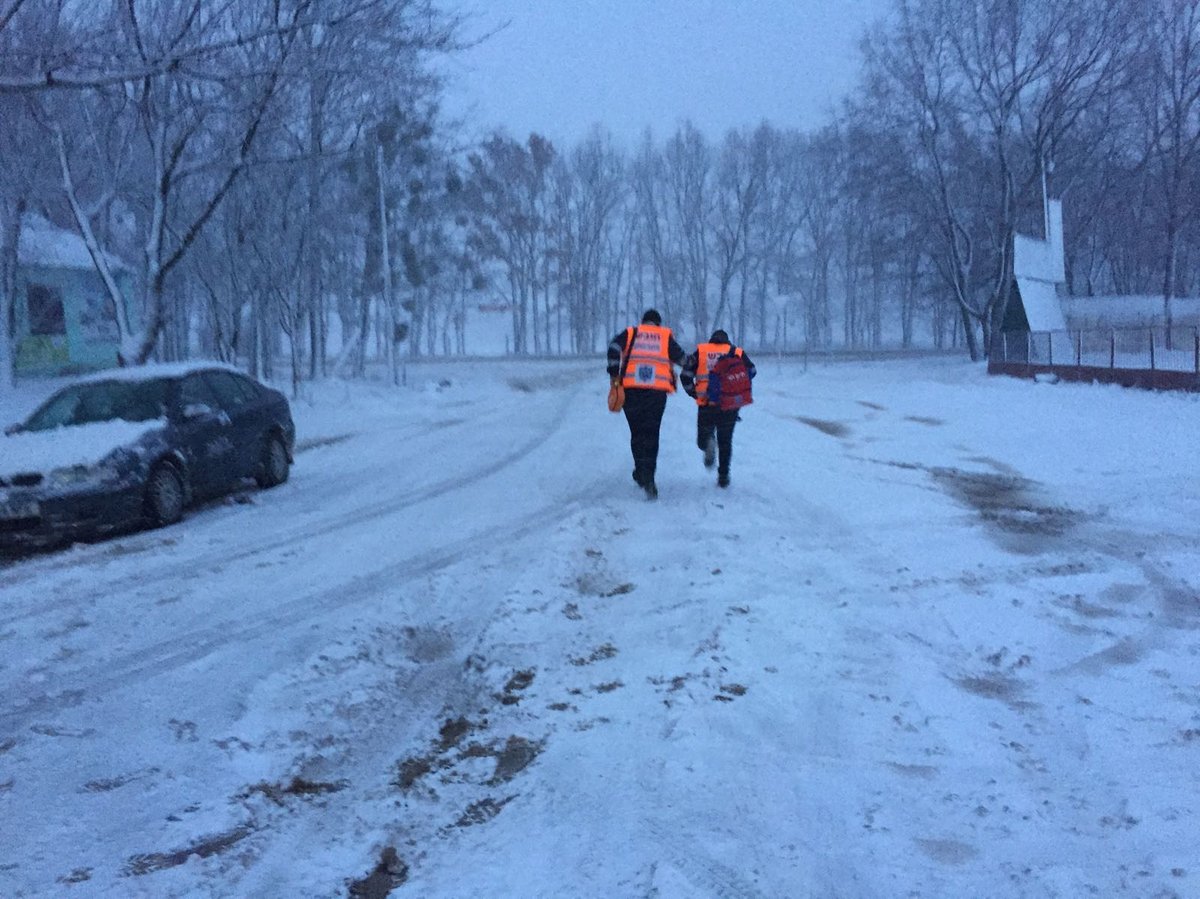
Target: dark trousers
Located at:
point(710, 419)
point(644, 412)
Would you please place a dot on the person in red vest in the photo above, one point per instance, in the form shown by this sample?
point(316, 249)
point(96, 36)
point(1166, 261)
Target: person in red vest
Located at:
point(716, 416)
point(642, 358)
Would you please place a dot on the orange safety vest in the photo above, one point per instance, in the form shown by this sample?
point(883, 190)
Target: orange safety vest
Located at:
point(708, 354)
point(648, 360)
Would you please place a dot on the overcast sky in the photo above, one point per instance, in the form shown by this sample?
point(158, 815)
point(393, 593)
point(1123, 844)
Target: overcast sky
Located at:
point(562, 65)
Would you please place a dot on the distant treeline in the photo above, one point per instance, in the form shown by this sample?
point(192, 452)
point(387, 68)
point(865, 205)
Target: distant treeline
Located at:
point(275, 172)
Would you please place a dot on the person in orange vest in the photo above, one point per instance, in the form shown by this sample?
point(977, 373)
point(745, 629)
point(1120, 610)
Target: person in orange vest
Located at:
point(642, 358)
point(714, 425)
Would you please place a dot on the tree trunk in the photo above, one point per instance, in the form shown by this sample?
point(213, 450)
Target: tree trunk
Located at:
point(10, 233)
point(968, 327)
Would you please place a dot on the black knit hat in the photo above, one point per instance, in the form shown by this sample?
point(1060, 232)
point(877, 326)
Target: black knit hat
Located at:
point(651, 317)
point(719, 336)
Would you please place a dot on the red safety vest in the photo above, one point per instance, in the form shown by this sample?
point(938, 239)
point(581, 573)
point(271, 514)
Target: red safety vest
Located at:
point(708, 354)
point(648, 362)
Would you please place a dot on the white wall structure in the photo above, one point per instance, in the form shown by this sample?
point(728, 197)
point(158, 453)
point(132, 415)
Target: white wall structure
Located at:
point(1039, 268)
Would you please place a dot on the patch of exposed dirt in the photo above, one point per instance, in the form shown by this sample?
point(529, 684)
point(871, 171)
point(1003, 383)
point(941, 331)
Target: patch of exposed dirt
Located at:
point(924, 420)
point(482, 811)
point(594, 583)
point(673, 684)
point(390, 873)
point(728, 691)
point(451, 732)
point(891, 463)
point(297, 786)
point(993, 686)
point(869, 405)
point(584, 726)
point(517, 755)
point(411, 770)
point(1008, 504)
point(832, 428)
point(511, 756)
point(79, 875)
point(518, 683)
point(149, 862)
point(599, 654)
point(108, 784)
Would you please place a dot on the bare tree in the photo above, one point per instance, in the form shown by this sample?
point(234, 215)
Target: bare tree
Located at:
point(738, 189)
point(508, 194)
point(589, 186)
point(1169, 98)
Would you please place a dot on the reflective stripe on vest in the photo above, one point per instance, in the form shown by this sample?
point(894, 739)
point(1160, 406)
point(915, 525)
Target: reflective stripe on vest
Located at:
point(708, 354)
point(649, 364)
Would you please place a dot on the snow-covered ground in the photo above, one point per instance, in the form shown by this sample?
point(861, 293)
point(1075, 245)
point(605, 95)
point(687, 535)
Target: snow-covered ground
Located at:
point(940, 638)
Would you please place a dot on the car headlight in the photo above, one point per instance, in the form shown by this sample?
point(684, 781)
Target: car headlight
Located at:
point(74, 475)
point(106, 469)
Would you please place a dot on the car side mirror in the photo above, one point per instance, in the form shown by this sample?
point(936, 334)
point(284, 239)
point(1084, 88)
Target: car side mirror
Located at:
point(192, 411)
point(201, 411)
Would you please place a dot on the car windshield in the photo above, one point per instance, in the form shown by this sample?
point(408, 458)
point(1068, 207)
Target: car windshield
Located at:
point(101, 401)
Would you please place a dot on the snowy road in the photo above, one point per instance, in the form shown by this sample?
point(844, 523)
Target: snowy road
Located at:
point(942, 637)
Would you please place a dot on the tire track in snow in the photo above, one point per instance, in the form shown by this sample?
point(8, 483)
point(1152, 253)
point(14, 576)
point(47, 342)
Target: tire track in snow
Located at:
point(196, 565)
point(180, 649)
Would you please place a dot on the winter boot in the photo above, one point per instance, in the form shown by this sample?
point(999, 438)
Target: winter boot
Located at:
point(651, 489)
point(710, 451)
point(723, 479)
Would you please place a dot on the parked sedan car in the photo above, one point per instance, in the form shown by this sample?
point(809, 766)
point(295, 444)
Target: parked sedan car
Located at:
point(136, 446)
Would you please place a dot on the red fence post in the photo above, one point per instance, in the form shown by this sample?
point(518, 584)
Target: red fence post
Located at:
point(1151, 349)
point(1197, 338)
point(1049, 347)
point(1078, 348)
point(1112, 349)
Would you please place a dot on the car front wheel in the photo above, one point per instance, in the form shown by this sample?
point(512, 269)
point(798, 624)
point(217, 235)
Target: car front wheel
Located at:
point(275, 464)
point(164, 496)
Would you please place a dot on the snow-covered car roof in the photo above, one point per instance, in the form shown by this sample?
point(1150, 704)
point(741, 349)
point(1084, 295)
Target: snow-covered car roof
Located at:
point(156, 370)
point(27, 452)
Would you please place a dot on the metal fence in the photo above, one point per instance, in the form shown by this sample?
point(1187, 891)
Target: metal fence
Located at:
point(1132, 349)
